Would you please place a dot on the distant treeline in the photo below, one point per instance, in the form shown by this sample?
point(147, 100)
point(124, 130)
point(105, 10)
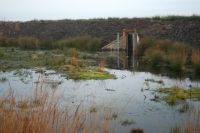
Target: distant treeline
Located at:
point(169, 17)
point(83, 43)
point(176, 17)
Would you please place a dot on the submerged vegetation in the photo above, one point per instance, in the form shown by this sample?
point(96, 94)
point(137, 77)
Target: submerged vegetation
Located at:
point(155, 81)
point(127, 122)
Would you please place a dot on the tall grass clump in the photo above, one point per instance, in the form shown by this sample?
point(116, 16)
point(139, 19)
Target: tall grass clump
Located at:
point(74, 57)
point(29, 43)
point(24, 42)
point(145, 44)
point(195, 57)
point(162, 53)
point(1, 52)
point(8, 42)
point(44, 112)
point(190, 125)
point(45, 45)
point(154, 56)
point(176, 56)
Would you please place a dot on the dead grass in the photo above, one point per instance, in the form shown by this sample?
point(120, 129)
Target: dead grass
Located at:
point(101, 64)
point(43, 113)
point(195, 56)
point(193, 123)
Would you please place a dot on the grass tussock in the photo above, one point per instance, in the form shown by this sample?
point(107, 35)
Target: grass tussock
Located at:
point(176, 94)
point(196, 60)
point(163, 53)
point(192, 125)
point(87, 73)
point(1, 52)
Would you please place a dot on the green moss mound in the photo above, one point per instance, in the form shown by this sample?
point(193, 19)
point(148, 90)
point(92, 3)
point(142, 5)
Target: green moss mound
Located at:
point(86, 73)
point(176, 94)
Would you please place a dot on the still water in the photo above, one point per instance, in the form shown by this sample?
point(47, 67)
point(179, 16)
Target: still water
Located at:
point(129, 95)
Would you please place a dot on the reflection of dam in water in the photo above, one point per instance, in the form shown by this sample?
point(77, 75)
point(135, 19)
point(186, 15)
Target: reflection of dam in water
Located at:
point(118, 60)
point(125, 48)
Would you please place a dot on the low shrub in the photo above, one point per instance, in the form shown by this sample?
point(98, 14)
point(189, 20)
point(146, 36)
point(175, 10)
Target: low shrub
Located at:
point(154, 56)
point(176, 61)
point(145, 44)
point(29, 43)
point(83, 43)
point(159, 52)
point(196, 60)
point(45, 45)
point(1, 52)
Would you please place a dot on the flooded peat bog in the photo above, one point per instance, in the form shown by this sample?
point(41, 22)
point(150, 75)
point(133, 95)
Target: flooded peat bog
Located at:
point(130, 99)
point(133, 84)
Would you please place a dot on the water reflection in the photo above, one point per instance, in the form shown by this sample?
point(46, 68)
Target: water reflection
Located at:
point(119, 60)
point(125, 60)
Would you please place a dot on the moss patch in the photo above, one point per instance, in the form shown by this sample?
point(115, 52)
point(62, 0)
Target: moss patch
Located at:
point(88, 73)
point(94, 75)
point(176, 94)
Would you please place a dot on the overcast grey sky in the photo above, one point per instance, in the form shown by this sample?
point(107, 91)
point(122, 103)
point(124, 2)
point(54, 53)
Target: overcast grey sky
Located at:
point(83, 9)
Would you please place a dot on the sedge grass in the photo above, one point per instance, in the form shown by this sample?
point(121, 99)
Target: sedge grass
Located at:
point(43, 113)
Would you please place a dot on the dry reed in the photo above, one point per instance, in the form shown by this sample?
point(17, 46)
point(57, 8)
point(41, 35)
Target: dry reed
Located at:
point(43, 113)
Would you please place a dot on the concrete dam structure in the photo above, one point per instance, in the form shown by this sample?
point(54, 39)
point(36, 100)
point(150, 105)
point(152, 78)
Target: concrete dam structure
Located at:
point(128, 40)
point(125, 43)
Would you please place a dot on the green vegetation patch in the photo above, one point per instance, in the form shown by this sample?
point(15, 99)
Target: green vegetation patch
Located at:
point(127, 122)
point(176, 94)
point(1, 52)
point(88, 73)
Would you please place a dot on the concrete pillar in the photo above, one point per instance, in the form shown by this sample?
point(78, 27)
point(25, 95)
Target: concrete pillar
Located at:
point(123, 46)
